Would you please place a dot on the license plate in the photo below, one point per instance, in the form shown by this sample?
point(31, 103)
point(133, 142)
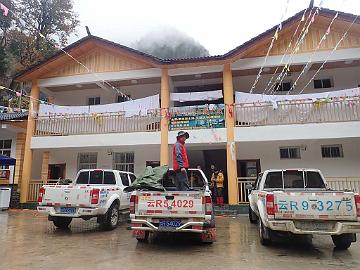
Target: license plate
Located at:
point(67, 210)
point(314, 226)
point(169, 224)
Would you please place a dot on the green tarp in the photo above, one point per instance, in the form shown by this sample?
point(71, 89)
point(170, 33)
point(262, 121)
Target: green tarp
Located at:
point(149, 179)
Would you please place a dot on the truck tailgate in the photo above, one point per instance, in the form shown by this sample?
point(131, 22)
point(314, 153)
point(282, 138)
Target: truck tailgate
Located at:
point(65, 195)
point(315, 205)
point(170, 204)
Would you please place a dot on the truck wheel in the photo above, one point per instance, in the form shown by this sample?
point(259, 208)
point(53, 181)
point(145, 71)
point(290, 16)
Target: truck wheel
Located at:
point(252, 216)
point(111, 219)
point(265, 234)
point(62, 222)
point(144, 239)
point(343, 241)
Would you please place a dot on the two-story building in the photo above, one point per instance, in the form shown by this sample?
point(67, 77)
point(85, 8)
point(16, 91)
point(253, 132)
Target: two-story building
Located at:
point(115, 107)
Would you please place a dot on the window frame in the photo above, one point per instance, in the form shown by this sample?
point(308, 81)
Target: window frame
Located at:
point(94, 98)
point(122, 96)
point(281, 89)
point(341, 150)
point(322, 82)
point(288, 148)
point(87, 163)
point(124, 166)
point(6, 151)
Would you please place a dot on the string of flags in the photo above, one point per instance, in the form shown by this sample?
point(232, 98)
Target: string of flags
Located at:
point(275, 37)
point(327, 32)
point(329, 55)
point(6, 11)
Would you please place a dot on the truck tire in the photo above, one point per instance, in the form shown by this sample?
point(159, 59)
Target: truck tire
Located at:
point(62, 222)
point(252, 216)
point(343, 241)
point(264, 234)
point(111, 218)
point(145, 239)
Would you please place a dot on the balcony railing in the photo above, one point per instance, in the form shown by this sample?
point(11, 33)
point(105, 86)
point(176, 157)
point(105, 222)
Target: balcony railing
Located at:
point(297, 112)
point(335, 183)
point(96, 124)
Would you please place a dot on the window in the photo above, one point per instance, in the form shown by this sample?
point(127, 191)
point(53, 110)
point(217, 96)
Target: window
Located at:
point(332, 151)
point(93, 100)
point(5, 149)
point(87, 161)
point(83, 178)
point(123, 98)
point(124, 179)
point(96, 177)
point(294, 179)
point(282, 87)
point(322, 83)
point(109, 178)
point(132, 178)
point(290, 152)
point(123, 162)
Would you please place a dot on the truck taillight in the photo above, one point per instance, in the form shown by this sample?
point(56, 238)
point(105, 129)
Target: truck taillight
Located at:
point(95, 194)
point(133, 199)
point(41, 194)
point(208, 205)
point(357, 203)
point(270, 206)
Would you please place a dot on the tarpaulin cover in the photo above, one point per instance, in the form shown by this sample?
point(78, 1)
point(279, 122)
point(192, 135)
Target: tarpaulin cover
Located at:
point(149, 179)
point(7, 161)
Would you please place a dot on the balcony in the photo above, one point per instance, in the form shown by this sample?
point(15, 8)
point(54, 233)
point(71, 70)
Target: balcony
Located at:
point(297, 112)
point(101, 123)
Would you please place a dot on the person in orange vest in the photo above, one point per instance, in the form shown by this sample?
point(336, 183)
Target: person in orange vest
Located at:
point(219, 188)
point(181, 162)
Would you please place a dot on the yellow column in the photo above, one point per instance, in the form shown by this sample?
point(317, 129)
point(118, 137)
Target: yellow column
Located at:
point(230, 146)
point(164, 124)
point(45, 166)
point(26, 174)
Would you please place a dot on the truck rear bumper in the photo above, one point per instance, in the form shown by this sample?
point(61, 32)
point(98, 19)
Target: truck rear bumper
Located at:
point(339, 227)
point(79, 212)
point(144, 225)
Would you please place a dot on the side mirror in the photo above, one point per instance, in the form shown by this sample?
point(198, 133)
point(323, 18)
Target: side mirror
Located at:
point(249, 187)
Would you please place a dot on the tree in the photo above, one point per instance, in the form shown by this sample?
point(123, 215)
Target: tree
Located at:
point(170, 43)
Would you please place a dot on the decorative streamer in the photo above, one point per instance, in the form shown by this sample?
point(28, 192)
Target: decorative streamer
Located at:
point(4, 9)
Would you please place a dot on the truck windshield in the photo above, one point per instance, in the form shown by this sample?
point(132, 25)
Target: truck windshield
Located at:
point(92, 178)
point(294, 179)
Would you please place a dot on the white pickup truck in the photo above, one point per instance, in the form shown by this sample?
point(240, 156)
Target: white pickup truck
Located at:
point(174, 211)
point(298, 201)
point(95, 193)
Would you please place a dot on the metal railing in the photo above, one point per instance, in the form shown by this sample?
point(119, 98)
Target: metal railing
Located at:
point(101, 123)
point(335, 183)
point(34, 187)
point(297, 112)
point(243, 192)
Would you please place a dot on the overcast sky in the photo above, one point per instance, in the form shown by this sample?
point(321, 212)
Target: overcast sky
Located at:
point(219, 25)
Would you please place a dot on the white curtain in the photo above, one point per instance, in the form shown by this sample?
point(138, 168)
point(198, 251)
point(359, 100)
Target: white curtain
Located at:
point(195, 96)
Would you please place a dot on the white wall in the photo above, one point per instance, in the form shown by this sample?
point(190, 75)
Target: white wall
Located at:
point(343, 78)
point(269, 156)
point(104, 160)
point(8, 135)
point(80, 96)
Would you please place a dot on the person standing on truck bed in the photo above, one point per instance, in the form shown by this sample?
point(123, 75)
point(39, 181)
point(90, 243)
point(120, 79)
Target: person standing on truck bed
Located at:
point(180, 161)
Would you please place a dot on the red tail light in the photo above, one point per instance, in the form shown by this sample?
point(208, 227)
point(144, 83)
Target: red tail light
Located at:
point(41, 194)
point(95, 194)
point(270, 206)
point(357, 203)
point(133, 200)
point(208, 205)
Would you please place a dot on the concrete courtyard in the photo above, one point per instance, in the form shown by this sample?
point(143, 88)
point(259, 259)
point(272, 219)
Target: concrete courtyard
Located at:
point(29, 241)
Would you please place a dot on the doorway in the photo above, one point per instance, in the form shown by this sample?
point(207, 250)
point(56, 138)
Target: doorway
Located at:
point(56, 171)
point(247, 171)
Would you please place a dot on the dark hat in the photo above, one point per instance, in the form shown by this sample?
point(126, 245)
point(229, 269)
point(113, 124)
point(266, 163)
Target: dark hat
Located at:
point(182, 133)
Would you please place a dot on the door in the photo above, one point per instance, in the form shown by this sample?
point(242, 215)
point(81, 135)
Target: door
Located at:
point(247, 171)
point(56, 171)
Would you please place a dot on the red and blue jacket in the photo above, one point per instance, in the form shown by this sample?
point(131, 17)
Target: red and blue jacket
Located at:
point(180, 159)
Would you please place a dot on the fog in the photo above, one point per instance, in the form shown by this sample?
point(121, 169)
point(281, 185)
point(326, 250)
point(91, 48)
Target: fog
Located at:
point(218, 25)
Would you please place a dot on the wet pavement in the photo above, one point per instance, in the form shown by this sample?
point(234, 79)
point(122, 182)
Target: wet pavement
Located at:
point(29, 241)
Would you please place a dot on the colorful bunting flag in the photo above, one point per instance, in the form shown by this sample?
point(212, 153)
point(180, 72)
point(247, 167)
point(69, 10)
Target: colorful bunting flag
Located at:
point(276, 35)
point(18, 94)
point(4, 9)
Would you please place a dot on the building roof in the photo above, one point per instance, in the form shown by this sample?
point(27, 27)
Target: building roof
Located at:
point(13, 116)
point(157, 61)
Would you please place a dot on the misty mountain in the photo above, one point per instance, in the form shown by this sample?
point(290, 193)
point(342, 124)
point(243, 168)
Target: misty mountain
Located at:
point(169, 44)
